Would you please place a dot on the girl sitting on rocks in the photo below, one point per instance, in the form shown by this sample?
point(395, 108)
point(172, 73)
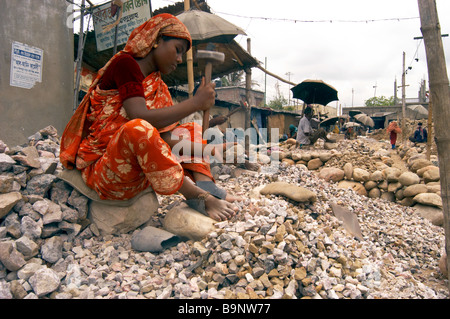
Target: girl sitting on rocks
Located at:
point(122, 134)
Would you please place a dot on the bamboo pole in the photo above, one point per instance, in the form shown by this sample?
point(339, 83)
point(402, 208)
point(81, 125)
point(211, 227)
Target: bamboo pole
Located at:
point(189, 59)
point(79, 56)
point(430, 129)
point(440, 96)
point(275, 76)
point(248, 87)
point(404, 101)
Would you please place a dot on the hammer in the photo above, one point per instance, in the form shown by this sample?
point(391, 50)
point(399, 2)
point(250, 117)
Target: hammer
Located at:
point(210, 56)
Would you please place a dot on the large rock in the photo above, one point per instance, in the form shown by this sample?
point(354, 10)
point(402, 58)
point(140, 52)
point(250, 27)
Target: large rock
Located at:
point(296, 156)
point(419, 163)
point(30, 157)
point(333, 174)
point(370, 185)
point(348, 170)
point(115, 220)
point(376, 176)
point(434, 187)
point(27, 247)
point(414, 190)
point(10, 257)
point(414, 157)
point(388, 196)
point(431, 175)
point(306, 156)
point(291, 191)
point(374, 193)
point(52, 249)
point(409, 178)
point(330, 146)
point(325, 156)
point(6, 162)
point(356, 186)
point(421, 171)
point(186, 222)
point(360, 175)
point(7, 202)
point(44, 281)
point(288, 161)
point(314, 164)
point(430, 199)
point(391, 174)
point(40, 184)
point(393, 187)
point(434, 214)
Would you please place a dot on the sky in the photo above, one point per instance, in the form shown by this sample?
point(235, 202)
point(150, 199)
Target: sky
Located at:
point(355, 46)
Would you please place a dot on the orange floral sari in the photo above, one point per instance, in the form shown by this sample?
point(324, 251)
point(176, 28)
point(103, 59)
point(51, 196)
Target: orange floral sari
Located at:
point(119, 157)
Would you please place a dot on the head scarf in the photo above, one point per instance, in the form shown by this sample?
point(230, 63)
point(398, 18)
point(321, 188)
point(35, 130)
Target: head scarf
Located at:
point(144, 37)
point(139, 44)
point(393, 127)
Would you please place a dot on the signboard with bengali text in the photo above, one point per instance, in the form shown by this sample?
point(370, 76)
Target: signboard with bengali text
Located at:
point(26, 65)
point(135, 12)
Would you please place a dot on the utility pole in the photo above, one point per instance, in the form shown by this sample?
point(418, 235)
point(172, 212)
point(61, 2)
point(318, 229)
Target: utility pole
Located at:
point(289, 91)
point(422, 97)
point(79, 56)
point(353, 95)
point(248, 87)
point(395, 92)
point(404, 99)
point(265, 83)
point(440, 97)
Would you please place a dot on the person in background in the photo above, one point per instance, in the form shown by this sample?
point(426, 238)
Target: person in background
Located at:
point(292, 131)
point(420, 135)
point(393, 130)
point(305, 134)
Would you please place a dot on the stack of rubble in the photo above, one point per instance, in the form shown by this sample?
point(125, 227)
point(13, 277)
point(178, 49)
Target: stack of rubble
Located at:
point(370, 173)
point(278, 246)
point(40, 214)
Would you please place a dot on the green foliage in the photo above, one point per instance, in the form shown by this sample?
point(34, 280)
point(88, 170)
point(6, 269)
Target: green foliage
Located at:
point(278, 102)
point(380, 101)
point(233, 79)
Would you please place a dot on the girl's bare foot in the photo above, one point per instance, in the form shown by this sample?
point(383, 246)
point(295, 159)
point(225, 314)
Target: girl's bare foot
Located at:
point(219, 209)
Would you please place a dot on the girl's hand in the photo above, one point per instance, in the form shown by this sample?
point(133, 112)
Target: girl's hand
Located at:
point(205, 96)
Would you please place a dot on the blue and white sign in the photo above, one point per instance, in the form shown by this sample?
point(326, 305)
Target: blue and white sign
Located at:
point(26, 65)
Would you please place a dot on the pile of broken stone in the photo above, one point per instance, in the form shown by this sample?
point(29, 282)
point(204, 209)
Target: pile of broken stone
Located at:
point(370, 173)
point(280, 245)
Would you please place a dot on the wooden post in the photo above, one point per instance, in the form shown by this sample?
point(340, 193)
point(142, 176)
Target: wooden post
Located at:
point(430, 129)
point(404, 101)
point(440, 96)
point(248, 87)
point(189, 59)
point(79, 57)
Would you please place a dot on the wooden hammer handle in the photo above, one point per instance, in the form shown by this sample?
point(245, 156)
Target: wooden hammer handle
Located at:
point(208, 71)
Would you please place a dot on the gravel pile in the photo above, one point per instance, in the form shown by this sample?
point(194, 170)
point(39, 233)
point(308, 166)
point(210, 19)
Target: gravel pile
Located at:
point(274, 248)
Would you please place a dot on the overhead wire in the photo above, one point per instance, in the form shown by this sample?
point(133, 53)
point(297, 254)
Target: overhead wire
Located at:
point(318, 21)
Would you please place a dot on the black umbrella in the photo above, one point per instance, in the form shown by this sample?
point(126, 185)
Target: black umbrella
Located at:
point(315, 92)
